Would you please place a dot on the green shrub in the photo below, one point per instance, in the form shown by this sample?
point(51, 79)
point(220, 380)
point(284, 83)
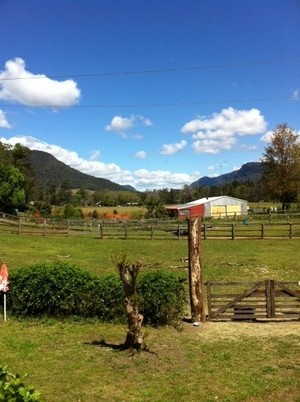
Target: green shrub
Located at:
point(108, 296)
point(12, 388)
point(163, 297)
point(63, 290)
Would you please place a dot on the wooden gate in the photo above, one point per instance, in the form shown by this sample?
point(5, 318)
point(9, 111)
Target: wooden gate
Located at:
point(248, 301)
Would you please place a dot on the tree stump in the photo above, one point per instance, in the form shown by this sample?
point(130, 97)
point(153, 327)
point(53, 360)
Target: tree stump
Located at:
point(128, 274)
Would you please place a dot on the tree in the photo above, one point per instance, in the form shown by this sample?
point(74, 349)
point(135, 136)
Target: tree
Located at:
point(155, 208)
point(281, 165)
point(20, 157)
point(12, 193)
point(129, 274)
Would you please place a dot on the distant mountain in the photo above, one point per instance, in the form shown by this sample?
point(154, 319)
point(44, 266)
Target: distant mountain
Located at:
point(51, 172)
point(251, 171)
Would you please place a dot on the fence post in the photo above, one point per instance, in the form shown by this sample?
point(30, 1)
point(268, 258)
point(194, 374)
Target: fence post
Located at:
point(204, 231)
point(270, 294)
point(20, 226)
point(208, 291)
point(152, 232)
point(100, 226)
point(232, 231)
point(291, 231)
point(125, 230)
point(178, 228)
point(262, 230)
point(195, 270)
point(44, 228)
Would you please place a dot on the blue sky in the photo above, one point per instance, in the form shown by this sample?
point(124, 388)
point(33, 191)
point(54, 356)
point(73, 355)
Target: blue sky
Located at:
point(154, 94)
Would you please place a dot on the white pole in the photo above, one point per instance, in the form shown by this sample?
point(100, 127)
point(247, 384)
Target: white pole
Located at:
point(4, 306)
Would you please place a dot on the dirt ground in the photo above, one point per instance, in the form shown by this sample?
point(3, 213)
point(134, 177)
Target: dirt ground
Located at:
point(210, 331)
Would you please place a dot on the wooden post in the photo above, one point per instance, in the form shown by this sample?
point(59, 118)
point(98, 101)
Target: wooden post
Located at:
point(291, 230)
point(209, 304)
point(270, 293)
point(20, 226)
point(195, 270)
point(178, 228)
point(44, 228)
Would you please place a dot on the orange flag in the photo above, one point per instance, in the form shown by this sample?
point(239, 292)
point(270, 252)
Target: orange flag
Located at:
point(4, 278)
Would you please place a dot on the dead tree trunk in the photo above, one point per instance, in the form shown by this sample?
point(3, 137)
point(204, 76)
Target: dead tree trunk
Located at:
point(135, 336)
point(195, 270)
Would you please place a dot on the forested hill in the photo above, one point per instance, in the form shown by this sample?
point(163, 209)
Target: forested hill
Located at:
point(251, 171)
point(51, 172)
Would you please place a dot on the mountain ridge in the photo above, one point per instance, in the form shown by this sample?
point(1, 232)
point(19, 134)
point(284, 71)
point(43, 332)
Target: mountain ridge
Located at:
point(251, 171)
point(50, 172)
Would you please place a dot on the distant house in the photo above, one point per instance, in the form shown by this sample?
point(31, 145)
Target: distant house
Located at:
point(217, 207)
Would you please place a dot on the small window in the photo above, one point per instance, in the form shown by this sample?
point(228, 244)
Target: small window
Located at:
point(185, 212)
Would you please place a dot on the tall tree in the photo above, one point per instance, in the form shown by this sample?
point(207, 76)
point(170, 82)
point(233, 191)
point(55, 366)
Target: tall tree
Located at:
point(281, 165)
point(12, 193)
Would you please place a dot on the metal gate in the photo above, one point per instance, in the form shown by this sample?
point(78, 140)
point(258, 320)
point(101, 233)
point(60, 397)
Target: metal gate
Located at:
point(248, 301)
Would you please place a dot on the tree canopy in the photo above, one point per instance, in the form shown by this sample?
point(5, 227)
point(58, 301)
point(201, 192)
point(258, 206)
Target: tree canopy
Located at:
point(281, 165)
point(16, 177)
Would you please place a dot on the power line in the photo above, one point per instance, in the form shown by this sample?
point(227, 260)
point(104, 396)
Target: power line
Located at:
point(167, 104)
point(155, 71)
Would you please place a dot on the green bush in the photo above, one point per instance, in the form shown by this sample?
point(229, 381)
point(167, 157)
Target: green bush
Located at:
point(163, 297)
point(63, 290)
point(108, 297)
point(12, 388)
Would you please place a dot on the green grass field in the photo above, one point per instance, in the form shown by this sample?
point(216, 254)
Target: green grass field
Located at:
point(226, 361)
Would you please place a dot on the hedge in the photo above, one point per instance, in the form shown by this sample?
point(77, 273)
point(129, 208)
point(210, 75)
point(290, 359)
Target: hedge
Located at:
point(64, 290)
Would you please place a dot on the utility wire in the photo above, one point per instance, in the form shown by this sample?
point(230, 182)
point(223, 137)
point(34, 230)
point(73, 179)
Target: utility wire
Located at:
point(274, 99)
point(155, 71)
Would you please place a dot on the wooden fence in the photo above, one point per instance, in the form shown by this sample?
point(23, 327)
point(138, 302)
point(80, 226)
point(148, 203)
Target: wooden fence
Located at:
point(266, 300)
point(147, 229)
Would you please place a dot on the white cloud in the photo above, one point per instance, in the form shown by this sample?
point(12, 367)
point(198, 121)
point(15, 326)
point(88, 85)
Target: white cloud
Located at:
point(155, 179)
point(137, 137)
point(218, 132)
point(3, 120)
point(121, 124)
point(141, 155)
point(95, 155)
point(213, 146)
point(26, 88)
point(267, 137)
point(296, 94)
point(141, 179)
point(171, 149)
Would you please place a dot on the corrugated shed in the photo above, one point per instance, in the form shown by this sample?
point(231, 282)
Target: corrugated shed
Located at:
point(219, 206)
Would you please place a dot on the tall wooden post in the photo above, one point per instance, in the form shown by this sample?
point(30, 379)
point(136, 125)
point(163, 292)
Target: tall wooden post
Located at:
point(195, 270)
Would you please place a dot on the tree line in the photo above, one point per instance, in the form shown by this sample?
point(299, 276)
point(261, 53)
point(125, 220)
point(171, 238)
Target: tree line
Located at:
point(280, 182)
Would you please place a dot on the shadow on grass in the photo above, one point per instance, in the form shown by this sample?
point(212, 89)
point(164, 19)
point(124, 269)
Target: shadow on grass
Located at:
point(119, 347)
point(113, 346)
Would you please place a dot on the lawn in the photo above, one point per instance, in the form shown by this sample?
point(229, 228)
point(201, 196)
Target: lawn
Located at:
point(213, 362)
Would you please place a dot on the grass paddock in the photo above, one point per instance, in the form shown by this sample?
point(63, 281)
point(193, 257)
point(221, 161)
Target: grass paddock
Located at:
point(213, 362)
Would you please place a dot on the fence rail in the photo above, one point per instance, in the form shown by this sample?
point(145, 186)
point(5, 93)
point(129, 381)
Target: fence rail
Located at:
point(266, 299)
point(147, 229)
